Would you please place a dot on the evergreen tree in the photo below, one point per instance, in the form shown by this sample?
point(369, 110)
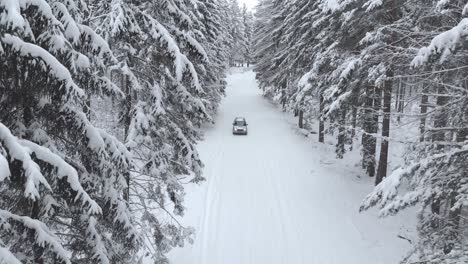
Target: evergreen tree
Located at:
point(71, 189)
point(54, 190)
point(347, 62)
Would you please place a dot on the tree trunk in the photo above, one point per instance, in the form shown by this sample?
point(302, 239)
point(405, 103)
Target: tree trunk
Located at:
point(340, 145)
point(127, 120)
point(371, 121)
point(387, 105)
point(400, 101)
point(321, 121)
point(440, 118)
point(423, 112)
point(38, 250)
point(353, 129)
point(301, 119)
point(87, 107)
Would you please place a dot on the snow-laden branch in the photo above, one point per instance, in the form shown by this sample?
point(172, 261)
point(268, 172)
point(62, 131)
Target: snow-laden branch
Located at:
point(175, 10)
point(11, 14)
point(6, 257)
point(4, 168)
point(48, 62)
point(193, 42)
point(64, 170)
point(388, 188)
point(443, 44)
point(348, 67)
point(385, 195)
point(97, 245)
point(372, 4)
point(43, 236)
point(71, 29)
point(16, 151)
point(95, 141)
point(181, 62)
point(338, 5)
point(116, 148)
point(98, 44)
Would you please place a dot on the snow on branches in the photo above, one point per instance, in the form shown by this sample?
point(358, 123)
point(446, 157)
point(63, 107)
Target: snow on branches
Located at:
point(443, 45)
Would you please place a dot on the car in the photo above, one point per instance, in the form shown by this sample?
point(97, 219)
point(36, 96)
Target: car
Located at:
point(239, 126)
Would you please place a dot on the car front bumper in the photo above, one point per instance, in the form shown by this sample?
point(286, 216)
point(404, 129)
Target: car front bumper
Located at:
point(239, 132)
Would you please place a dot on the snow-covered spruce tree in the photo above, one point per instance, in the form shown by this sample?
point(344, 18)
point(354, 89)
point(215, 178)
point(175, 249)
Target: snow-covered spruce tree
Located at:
point(175, 54)
point(248, 22)
point(332, 35)
point(435, 170)
point(237, 29)
point(62, 178)
point(357, 55)
point(267, 45)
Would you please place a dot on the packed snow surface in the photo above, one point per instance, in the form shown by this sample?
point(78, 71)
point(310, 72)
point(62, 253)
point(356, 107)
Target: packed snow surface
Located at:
point(275, 197)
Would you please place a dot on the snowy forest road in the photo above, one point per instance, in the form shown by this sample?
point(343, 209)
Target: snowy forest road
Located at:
point(269, 199)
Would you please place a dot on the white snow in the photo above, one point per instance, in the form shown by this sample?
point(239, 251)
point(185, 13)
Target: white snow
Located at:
point(64, 170)
point(32, 173)
point(4, 168)
point(274, 197)
point(6, 257)
point(372, 4)
point(349, 67)
point(331, 5)
point(72, 32)
point(444, 44)
point(11, 15)
point(43, 236)
point(49, 62)
point(181, 62)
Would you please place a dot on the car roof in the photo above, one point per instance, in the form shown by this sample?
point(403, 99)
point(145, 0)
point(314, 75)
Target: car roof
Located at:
point(240, 118)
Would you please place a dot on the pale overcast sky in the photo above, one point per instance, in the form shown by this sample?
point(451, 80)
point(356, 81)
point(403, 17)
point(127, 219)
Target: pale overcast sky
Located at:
point(250, 3)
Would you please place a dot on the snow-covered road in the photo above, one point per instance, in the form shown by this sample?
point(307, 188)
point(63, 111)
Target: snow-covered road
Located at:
point(271, 199)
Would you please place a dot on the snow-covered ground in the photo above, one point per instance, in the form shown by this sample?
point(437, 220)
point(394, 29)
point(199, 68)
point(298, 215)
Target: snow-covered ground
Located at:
point(275, 197)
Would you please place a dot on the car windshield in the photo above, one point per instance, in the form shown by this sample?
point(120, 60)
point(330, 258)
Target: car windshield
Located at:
point(239, 123)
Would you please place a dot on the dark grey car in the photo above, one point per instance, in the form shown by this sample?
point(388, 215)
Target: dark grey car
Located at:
point(239, 126)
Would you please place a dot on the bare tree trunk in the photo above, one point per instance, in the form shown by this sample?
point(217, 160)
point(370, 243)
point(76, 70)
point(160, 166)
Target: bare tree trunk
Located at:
point(387, 105)
point(340, 145)
point(423, 106)
point(440, 120)
point(87, 107)
point(398, 95)
point(371, 121)
point(127, 120)
point(321, 121)
point(353, 127)
point(400, 101)
point(301, 119)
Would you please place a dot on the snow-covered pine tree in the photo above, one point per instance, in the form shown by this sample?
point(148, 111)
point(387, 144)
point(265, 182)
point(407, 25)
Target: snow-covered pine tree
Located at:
point(248, 22)
point(174, 57)
point(436, 168)
point(267, 44)
point(357, 54)
point(237, 29)
point(62, 178)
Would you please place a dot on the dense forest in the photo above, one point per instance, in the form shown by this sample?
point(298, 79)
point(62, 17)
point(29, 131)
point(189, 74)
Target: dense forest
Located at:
point(372, 71)
point(100, 104)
